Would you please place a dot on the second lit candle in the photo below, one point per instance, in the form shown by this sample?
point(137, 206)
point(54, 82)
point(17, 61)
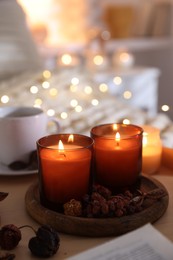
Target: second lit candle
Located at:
point(117, 154)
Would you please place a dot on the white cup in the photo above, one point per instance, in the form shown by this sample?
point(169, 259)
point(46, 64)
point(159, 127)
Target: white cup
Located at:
point(20, 128)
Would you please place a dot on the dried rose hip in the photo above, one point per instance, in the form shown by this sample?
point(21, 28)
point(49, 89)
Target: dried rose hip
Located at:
point(10, 235)
point(45, 243)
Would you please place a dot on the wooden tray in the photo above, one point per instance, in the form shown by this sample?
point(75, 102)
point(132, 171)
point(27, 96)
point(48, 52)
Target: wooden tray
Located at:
point(96, 227)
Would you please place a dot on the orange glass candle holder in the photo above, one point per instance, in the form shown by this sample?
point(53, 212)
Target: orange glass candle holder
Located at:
point(117, 154)
point(64, 168)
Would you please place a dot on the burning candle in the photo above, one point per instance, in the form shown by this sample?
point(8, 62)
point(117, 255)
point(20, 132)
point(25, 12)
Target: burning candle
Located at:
point(152, 150)
point(117, 154)
point(64, 168)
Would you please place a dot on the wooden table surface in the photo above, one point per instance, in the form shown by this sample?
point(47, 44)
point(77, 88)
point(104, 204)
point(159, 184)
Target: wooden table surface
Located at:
point(12, 210)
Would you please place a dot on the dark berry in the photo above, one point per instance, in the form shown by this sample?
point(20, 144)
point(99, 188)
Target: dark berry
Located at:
point(46, 243)
point(10, 235)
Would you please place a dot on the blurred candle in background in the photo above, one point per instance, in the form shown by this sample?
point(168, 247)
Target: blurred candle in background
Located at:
point(152, 150)
point(123, 59)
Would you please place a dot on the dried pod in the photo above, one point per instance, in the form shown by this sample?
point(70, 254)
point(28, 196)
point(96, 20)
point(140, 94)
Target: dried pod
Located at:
point(45, 243)
point(10, 235)
point(73, 208)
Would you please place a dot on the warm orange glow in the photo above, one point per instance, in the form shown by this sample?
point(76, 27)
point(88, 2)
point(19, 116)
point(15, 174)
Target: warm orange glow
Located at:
point(71, 138)
point(36, 10)
point(55, 23)
point(115, 127)
point(145, 139)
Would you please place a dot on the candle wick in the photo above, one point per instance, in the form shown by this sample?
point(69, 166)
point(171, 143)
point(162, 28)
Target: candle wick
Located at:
point(63, 154)
point(117, 143)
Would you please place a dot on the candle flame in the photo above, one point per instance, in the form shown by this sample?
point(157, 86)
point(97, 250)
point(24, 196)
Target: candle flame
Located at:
point(71, 138)
point(117, 138)
point(144, 139)
point(60, 146)
point(61, 149)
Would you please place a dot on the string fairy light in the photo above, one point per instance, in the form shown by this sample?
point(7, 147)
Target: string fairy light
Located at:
point(5, 99)
point(103, 87)
point(75, 81)
point(117, 80)
point(34, 89)
point(127, 94)
point(38, 102)
point(53, 92)
point(165, 108)
point(94, 102)
point(72, 102)
point(73, 88)
point(47, 74)
point(63, 115)
point(45, 84)
point(126, 121)
point(88, 90)
point(78, 108)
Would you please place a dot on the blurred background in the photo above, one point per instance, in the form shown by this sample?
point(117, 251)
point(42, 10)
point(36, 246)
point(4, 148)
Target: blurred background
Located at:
point(143, 28)
point(88, 61)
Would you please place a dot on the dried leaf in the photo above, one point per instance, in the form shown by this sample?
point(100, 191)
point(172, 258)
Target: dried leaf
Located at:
point(3, 195)
point(156, 194)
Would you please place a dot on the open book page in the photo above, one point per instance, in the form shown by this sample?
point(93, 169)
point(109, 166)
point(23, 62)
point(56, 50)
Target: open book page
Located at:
point(140, 244)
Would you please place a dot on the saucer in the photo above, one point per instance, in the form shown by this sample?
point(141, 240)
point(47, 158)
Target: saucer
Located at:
point(6, 171)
